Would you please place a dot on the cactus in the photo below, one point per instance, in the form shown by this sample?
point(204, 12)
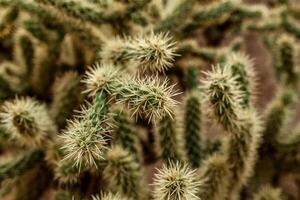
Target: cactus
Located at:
point(286, 52)
point(123, 174)
point(242, 67)
point(176, 181)
point(214, 173)
point(168, 140)
point(223, 97)
point(192, 130)
point(125, 135)
point(193, 120)
point(154, 52)
point(82, 142)
point(27, 121)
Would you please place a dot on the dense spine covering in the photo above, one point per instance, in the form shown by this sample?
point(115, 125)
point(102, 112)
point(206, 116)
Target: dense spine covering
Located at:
point(214, 175)
point(125, 134)
point(45, 56)
point(241, 149)
point(84, 141)
point(277, 113)
point(243, 127)
point(193, 119)
point(287, 142)
point(168, 140)
point(66, 173)
point(272, 46)
point(147, 97)
point(123, 173)
point(174, 182)
point(223, 97)
point(27, 121)
point(192, 129)
point(144, 97)
point(99, 78)
point(38, 30)
point(211, 146)
point(11, 76)
point(154, 52)
point(242, 67)
point(287, 53)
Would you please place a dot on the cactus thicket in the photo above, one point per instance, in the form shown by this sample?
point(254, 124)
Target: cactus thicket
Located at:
point(149, 99)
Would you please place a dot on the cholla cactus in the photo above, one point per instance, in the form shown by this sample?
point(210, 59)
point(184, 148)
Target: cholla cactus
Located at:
point(146, 97)
point(27, 121)
point(176, 181)
point(125, 134)
point(123, 173)
point(193, 112)
point(243, 126)
point(278, 114)
point(242, 67)
point(214, 173)
point(242, 148)
point(286, 52)
point(70, 131)
point(192, 129)
point(223, 97)
point(66, 173)
point(24, 52)
point(143, 97)
point(99, 78)
point(154, 52)
point(83, 144)
point(169, 146)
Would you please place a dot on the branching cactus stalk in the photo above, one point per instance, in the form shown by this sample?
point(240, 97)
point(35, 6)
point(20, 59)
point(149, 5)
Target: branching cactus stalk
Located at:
point(153, 52)
point(215, 175)
point(125, 134)
point(168, 140)
point(193, 119)
point(103, 100)
point(123, 173)
point(224, 98)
